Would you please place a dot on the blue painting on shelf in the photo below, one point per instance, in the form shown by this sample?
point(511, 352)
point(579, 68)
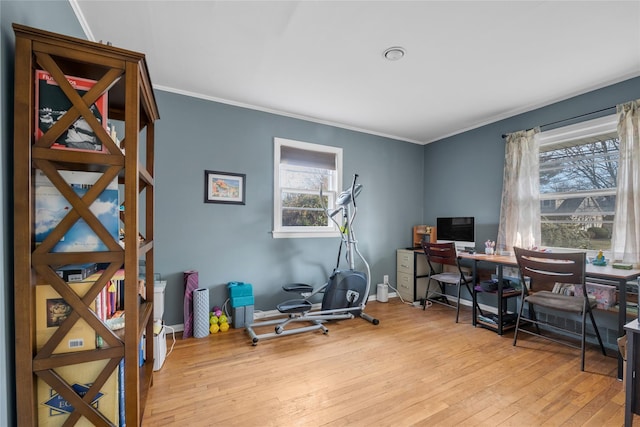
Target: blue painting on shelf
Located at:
point(51, 207)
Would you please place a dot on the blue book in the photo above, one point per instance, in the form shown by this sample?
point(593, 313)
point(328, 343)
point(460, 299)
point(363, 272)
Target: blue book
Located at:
point(51, 207)
point(76, 272)
point(123, 421)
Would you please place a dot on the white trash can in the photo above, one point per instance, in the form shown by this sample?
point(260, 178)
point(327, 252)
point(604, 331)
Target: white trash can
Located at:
point(383, 293)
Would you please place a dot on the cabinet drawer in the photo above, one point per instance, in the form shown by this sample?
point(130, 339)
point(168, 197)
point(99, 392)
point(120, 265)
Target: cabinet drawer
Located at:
point(404, 261)
point(405, 286)
point(422, 266)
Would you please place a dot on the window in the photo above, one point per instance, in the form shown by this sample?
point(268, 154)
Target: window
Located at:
point(578, 176)
point(301, 169)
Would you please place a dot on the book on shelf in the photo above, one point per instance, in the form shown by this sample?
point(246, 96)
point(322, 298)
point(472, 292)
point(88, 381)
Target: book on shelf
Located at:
point(492, 319)
point(632, 308)
point(112, 296)
point(53, 409)
point(486, 319)
point(142, 352)
point(51, 207)
point(52, 103)
point(121, 400)
point(110, 305)
point(52, 310)
point(76, 272)
point(118, 281)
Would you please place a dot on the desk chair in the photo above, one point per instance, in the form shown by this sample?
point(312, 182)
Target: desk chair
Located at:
point(550, 279)
point(445, 255)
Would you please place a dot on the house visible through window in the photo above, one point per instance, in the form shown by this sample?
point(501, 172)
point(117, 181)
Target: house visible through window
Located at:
point(301, 169)
point(578, 176)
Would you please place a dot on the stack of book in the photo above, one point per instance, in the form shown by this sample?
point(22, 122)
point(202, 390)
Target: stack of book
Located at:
point(507, 319)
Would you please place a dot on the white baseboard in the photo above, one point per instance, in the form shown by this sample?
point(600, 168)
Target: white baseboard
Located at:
point(177, 328)
point(257, 315)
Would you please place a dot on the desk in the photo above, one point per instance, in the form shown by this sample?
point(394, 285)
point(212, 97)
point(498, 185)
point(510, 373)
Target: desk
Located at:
point(411, 267)
point(500, 261)
point(607, 274)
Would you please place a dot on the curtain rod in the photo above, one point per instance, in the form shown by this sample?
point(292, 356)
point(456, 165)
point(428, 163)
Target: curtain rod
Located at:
point(504, 135)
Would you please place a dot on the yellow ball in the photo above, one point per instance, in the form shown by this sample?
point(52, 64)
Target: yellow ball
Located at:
point(213, 320)
point(224, 327)
point(214, 328)
point(222, 319)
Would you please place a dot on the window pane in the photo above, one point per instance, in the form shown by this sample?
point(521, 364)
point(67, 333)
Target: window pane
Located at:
point(302, 170)
point(306, 178)
point(582, 222)
point(589, 166)
point(578, 192)
point(303, 209)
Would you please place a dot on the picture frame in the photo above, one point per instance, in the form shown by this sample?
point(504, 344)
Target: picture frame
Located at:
point(224, 187)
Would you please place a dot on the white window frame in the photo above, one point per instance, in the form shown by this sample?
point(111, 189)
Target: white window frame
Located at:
point(583, 130)
point(280, 231)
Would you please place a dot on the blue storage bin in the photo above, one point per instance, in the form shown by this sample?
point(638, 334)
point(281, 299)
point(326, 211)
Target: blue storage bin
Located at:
point(239, 289)
point(241, 301)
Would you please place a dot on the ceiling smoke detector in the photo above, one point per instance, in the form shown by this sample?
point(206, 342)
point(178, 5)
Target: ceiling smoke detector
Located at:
point(394, 53)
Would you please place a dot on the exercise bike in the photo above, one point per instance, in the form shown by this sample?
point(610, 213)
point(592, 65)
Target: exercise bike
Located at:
point(345, 293)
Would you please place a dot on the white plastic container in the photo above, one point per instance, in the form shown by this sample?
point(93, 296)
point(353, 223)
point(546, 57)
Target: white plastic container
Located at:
point(159, 348)
point(383, 293)
point(158, 299)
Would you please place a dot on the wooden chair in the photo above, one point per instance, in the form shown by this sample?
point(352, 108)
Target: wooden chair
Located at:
point(445, 255)
point(546, 281)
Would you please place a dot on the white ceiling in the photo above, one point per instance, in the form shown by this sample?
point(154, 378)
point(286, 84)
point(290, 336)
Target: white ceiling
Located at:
point(468, 63)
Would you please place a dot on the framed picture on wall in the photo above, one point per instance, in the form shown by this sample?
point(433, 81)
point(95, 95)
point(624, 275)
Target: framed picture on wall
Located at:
point(224, 187)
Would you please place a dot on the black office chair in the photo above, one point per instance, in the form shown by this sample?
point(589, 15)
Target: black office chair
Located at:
point(547, 282)
point(445, 255)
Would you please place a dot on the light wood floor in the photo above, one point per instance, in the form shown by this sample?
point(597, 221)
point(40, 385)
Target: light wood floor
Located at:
point(414, 368)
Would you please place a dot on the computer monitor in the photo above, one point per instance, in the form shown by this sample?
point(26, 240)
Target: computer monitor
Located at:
point(459, 229)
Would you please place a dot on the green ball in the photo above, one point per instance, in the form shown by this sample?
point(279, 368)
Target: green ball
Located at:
point(222, 319)
point(213, 320)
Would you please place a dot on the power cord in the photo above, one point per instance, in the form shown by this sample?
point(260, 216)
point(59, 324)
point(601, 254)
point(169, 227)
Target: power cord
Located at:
point(224, 308)
point(173, 332)
point(398, 294)
point(427, 302)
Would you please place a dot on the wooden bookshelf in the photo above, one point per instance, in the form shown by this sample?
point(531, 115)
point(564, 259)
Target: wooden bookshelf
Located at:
point(123, 77)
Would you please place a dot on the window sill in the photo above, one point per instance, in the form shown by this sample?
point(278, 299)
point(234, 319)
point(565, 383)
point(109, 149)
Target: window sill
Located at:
point(303, 234)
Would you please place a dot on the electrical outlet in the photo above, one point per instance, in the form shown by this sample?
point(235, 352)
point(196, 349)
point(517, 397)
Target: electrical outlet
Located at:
point(385, 279)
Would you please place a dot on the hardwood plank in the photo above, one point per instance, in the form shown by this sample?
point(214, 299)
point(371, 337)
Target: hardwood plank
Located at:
point(414, 368)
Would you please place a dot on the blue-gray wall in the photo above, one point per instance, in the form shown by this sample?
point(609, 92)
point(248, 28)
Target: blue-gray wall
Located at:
point(405, 185)
point(227, 243)
point(467, 168)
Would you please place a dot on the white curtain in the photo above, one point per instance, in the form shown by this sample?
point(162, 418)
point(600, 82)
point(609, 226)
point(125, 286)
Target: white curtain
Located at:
point(625, 242)
point(520, 207)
